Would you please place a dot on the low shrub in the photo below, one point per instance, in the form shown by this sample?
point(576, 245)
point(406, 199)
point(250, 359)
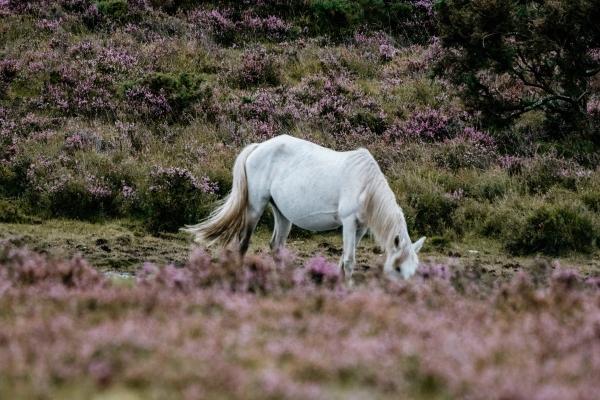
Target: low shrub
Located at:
point(160, 95)
point(341, 17)
point(116, 10)
point(470, 216)
point(541, 173)
point(12, 212)
point(591, 198)
point(489, 185)
point(554, 230)
point(77, 198)
point(8, 180)
point(462, 152)
point(175, 198)
point(258, 68)
point(431, 212)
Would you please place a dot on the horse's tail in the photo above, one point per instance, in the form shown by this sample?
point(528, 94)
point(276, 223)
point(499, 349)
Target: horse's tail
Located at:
point(228, 220)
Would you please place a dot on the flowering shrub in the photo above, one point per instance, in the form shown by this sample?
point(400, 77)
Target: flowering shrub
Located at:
point(271, 26)
point(540, 173)
point(257, 68)
point(321, 272)
point(218, 23)
point(336, 105)
point(426, 125)
point(470, 149)
point(160, 95)
point(517, 339)
point(8, 72)
point(431, 212)
point(176, 197)
point(79, 89)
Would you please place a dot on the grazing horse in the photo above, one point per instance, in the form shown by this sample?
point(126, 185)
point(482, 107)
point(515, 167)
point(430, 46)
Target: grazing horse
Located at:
point(317, 189)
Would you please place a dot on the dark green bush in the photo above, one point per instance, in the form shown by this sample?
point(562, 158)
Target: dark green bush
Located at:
point(180, 91)
point(470, 216)
point(175, 198)
point(554, 230)
point(12, 212)
point(7, 180)
point(370, 120)
point(490, 187)
point(117, 10)
point(341, 17)
point(591, 198)
point(431, 212)
point(336, 14)
point(75, 200)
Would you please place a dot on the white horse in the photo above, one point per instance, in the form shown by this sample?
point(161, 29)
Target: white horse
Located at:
point(317, 189)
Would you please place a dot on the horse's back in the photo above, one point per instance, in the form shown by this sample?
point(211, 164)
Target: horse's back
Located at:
point(305, 181)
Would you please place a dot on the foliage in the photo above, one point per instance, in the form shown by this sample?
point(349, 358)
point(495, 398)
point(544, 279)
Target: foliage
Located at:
point(176, 197)
point(555, 230)
point(160, 95)
point(432, 211)
point(340, 17)
point(511, 57)
point(10, 212)
point(257, 68)
point(113, 9)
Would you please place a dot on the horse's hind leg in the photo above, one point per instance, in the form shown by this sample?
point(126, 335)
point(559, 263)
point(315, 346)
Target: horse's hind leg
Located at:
point(281, 230)
point(256, 207)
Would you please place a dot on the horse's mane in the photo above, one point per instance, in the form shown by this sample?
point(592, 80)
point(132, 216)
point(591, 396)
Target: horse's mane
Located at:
point(382, 214)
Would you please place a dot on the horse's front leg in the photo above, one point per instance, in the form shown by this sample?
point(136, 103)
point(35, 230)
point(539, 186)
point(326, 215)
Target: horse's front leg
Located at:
point(348, 256)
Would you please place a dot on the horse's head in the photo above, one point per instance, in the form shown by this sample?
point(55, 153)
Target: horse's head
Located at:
point(402, 260)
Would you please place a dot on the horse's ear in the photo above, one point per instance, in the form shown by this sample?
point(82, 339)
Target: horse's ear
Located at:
point(418, 244)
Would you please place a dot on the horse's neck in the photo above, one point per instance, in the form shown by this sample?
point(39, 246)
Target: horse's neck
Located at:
point(384, 217)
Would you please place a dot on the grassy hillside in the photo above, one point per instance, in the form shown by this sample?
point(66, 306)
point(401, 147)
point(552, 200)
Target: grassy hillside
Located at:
point(137, 110)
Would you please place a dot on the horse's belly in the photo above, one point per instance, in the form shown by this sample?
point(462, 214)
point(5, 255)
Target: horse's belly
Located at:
point(307, 209)
point(317, 221)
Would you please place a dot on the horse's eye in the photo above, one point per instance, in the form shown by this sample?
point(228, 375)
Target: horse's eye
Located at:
point(398, 269)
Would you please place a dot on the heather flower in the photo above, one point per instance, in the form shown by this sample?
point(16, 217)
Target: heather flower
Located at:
point(593, 107)
point(473, 344)
point(173, 177)
point(322, 272)
point(50, 25)
point(257, 67)
point(594, 54)
point(216, 22)
point(425, 125)
point(97, 188)
point(147, 102)
point(128, 192)
point(272, 26)
point(434, 271)
point(426, 5)
point(387, 52)
point(116, 60)
point(512, 164)
point(481, 138)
